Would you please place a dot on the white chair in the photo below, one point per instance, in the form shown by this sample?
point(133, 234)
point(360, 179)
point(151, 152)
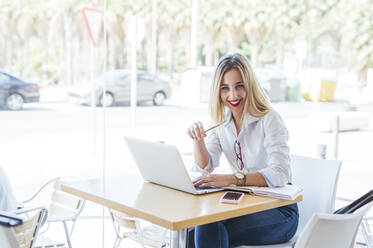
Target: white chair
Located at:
point(365, 229)
point(63, 208)
point(25, 234)
point(367, 232)
point(332, 230)
point(318, 178)
point(130, 227)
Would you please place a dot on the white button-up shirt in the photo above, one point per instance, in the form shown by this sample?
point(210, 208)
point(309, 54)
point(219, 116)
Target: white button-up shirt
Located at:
point(263, 144)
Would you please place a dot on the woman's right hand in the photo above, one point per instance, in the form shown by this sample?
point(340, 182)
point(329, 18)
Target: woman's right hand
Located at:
point(196, 131)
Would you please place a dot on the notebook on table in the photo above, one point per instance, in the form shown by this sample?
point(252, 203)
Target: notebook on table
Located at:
point(288, 192)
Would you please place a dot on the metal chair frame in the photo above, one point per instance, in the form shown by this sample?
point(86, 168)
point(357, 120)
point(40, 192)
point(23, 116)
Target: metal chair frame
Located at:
point(24, 235)
point(63, 219)
point(132, 223)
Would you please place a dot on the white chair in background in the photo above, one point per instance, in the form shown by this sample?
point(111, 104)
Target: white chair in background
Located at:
point(365, 229)
point(332, 230)
point(62, 207)
point(367, 232)
point(129, 227)
point(318, 178)
point(23, 235)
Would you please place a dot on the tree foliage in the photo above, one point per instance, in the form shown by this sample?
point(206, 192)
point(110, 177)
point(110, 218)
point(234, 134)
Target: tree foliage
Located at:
point(48, 39)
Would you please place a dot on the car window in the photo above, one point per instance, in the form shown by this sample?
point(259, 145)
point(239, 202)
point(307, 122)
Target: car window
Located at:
point(111, 76)
point(3, 78)
point(123, 79)
point(146, 77)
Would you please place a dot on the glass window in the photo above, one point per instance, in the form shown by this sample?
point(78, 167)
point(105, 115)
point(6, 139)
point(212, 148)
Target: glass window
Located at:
point(122, 79)
point(146, 77)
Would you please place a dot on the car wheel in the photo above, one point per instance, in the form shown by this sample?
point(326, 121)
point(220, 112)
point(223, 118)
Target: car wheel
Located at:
point(14, 102)
point(159, 98)
point(109, 100)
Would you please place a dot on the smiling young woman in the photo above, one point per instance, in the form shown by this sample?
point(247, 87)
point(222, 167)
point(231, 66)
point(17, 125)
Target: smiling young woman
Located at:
point(254, 141)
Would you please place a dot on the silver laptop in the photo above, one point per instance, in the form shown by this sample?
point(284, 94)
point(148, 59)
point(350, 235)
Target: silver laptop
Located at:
point(162, 164)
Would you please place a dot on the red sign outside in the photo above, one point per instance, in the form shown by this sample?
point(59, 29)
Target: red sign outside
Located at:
point(93, 19)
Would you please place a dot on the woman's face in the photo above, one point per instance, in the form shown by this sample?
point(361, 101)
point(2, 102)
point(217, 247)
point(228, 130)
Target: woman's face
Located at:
point(233, 92)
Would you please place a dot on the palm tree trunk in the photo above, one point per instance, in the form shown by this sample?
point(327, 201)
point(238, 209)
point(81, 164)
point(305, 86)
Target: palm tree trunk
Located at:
point(5, 53)
point(254, 54)
point(280, 56)
point(21, 56)
point(111, 59)
point(188, 52)
point(122, 54)
point(149, 59)
point(363, 75)
point(46, 59)
point(171, 58)
point(143, 55)
point(10, 52)
point(69, 51)
point(209, 48)
point(128, 45)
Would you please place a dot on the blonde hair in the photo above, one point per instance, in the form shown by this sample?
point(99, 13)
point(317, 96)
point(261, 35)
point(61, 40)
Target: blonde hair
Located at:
point(257, 102)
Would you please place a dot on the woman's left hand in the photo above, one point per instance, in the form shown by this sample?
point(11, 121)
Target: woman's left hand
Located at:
point(215, 180)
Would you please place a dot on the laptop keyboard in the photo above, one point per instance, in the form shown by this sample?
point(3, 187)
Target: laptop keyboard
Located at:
point(198, 188)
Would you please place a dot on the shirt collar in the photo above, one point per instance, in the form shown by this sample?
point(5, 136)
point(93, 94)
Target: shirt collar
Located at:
point(248, 119)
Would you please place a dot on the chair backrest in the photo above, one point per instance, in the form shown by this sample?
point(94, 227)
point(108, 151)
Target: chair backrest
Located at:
point(332, 230)
point(123, 220)
point(318, 178)
point(63, 204)
point(25, 234)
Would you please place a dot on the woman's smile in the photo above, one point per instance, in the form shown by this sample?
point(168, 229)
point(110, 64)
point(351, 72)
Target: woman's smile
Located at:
point(234, 103)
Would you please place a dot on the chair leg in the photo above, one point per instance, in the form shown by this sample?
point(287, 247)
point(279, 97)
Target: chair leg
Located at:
point(72, 227)
point(365, 230)
point(139, 233)
point(162, 241)
point(117, 242)
point(67, 234)
point(45, 228)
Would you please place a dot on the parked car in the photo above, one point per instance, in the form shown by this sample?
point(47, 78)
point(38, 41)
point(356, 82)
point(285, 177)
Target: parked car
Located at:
point(118, 89)
point(14, 92)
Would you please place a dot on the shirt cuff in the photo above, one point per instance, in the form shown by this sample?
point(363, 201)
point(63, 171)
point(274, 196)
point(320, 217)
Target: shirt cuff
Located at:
point(272, 178)
point(266, 179)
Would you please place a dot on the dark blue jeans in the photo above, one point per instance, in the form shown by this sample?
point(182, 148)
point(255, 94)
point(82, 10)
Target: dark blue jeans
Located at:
point(267, 227)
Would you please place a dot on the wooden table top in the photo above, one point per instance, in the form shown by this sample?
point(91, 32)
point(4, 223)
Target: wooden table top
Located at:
point(164, 206)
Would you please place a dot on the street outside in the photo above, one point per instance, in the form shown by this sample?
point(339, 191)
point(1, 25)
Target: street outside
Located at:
point(51, 139)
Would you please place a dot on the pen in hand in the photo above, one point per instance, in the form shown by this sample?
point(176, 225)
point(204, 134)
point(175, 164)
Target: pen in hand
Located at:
point(214, 126)
point(196, 130)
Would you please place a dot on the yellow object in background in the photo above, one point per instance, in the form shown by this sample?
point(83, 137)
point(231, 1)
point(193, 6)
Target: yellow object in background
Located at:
point(326, 92)
point(322, 91)
point(306, 96)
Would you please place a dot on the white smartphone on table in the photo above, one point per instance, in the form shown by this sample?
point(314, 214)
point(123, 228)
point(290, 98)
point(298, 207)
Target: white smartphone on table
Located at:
point(232, 197)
